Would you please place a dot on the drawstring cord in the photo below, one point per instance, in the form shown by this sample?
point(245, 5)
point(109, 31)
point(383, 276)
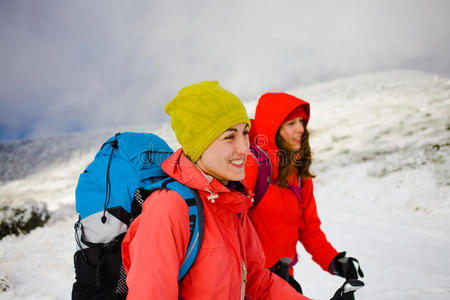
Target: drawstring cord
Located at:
point(79, 226)
point(114, 145)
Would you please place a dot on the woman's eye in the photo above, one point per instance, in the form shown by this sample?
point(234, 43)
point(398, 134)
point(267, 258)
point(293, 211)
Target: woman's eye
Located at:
point(245, 132)
point(229, 137)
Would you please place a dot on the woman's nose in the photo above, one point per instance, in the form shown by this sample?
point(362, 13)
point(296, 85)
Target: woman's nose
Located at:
point(243, 145)
point(300, 127)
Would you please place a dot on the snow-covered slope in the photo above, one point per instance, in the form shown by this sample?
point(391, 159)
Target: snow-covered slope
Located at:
point(396, 124)
point(381, 147)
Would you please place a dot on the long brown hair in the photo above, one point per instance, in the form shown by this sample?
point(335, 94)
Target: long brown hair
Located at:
point(291, 161)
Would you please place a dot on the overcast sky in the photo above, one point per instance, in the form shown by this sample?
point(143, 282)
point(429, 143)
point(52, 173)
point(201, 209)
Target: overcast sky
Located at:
point(69, 66)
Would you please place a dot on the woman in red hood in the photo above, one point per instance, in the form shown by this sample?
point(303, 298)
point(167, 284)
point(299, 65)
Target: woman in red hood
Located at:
point(287, 211)
point(212, 126)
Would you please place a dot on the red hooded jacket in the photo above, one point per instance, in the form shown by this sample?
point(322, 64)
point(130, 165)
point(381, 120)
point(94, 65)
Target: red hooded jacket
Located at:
point(230, 263)
point(280, 218)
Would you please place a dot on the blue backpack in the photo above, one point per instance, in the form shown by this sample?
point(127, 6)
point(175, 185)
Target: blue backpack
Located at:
point(109, 196)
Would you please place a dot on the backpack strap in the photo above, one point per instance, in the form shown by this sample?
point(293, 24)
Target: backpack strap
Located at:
point(196, 219)
point(297, 190)
point(264, 177)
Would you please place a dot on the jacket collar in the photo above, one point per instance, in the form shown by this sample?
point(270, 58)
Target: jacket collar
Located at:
point(180, 168)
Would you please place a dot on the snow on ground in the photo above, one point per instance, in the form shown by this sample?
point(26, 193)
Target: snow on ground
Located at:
point(381, 147)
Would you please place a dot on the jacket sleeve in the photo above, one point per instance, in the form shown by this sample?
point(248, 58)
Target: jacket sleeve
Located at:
point(152, 267)
point(261, 283)
point(310, 234)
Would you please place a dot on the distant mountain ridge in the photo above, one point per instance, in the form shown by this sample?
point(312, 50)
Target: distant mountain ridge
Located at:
point(397, 119)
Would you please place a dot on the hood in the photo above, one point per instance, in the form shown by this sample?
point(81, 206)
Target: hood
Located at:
point(180, 168)
point(271, 111)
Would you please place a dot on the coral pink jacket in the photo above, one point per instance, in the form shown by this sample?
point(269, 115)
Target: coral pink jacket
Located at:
point(230, 263)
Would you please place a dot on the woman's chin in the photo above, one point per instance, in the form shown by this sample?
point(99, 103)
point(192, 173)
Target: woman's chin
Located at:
point(235, 176)
point(294, 147)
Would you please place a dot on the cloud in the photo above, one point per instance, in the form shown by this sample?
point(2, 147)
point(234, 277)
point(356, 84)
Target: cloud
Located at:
point(69, 66)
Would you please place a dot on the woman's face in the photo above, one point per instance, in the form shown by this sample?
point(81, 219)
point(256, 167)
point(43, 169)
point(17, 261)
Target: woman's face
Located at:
point(224, 158)
point(291, 131)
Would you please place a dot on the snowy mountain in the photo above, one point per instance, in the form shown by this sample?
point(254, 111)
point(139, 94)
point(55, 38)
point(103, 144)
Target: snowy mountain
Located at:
point(381, 145)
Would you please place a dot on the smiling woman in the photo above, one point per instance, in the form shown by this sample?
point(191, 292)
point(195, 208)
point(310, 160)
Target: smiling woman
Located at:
point(212, 126)
point(224, 158)
point(286, 212)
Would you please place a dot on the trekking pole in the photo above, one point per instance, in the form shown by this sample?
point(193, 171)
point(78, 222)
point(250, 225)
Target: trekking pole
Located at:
point(284, 268)
point(281, 269)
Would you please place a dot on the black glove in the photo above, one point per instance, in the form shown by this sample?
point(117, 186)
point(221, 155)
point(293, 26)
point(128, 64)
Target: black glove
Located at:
point(345, 267)
point(348, 289)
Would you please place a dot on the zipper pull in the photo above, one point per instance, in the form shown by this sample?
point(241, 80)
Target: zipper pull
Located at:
point(244, 280)
point(212, 197)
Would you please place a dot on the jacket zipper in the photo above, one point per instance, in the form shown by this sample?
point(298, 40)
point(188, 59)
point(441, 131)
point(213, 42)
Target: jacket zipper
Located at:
point(244, 280)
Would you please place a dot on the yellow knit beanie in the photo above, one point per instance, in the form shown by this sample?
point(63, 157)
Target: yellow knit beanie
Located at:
point(201, 112)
